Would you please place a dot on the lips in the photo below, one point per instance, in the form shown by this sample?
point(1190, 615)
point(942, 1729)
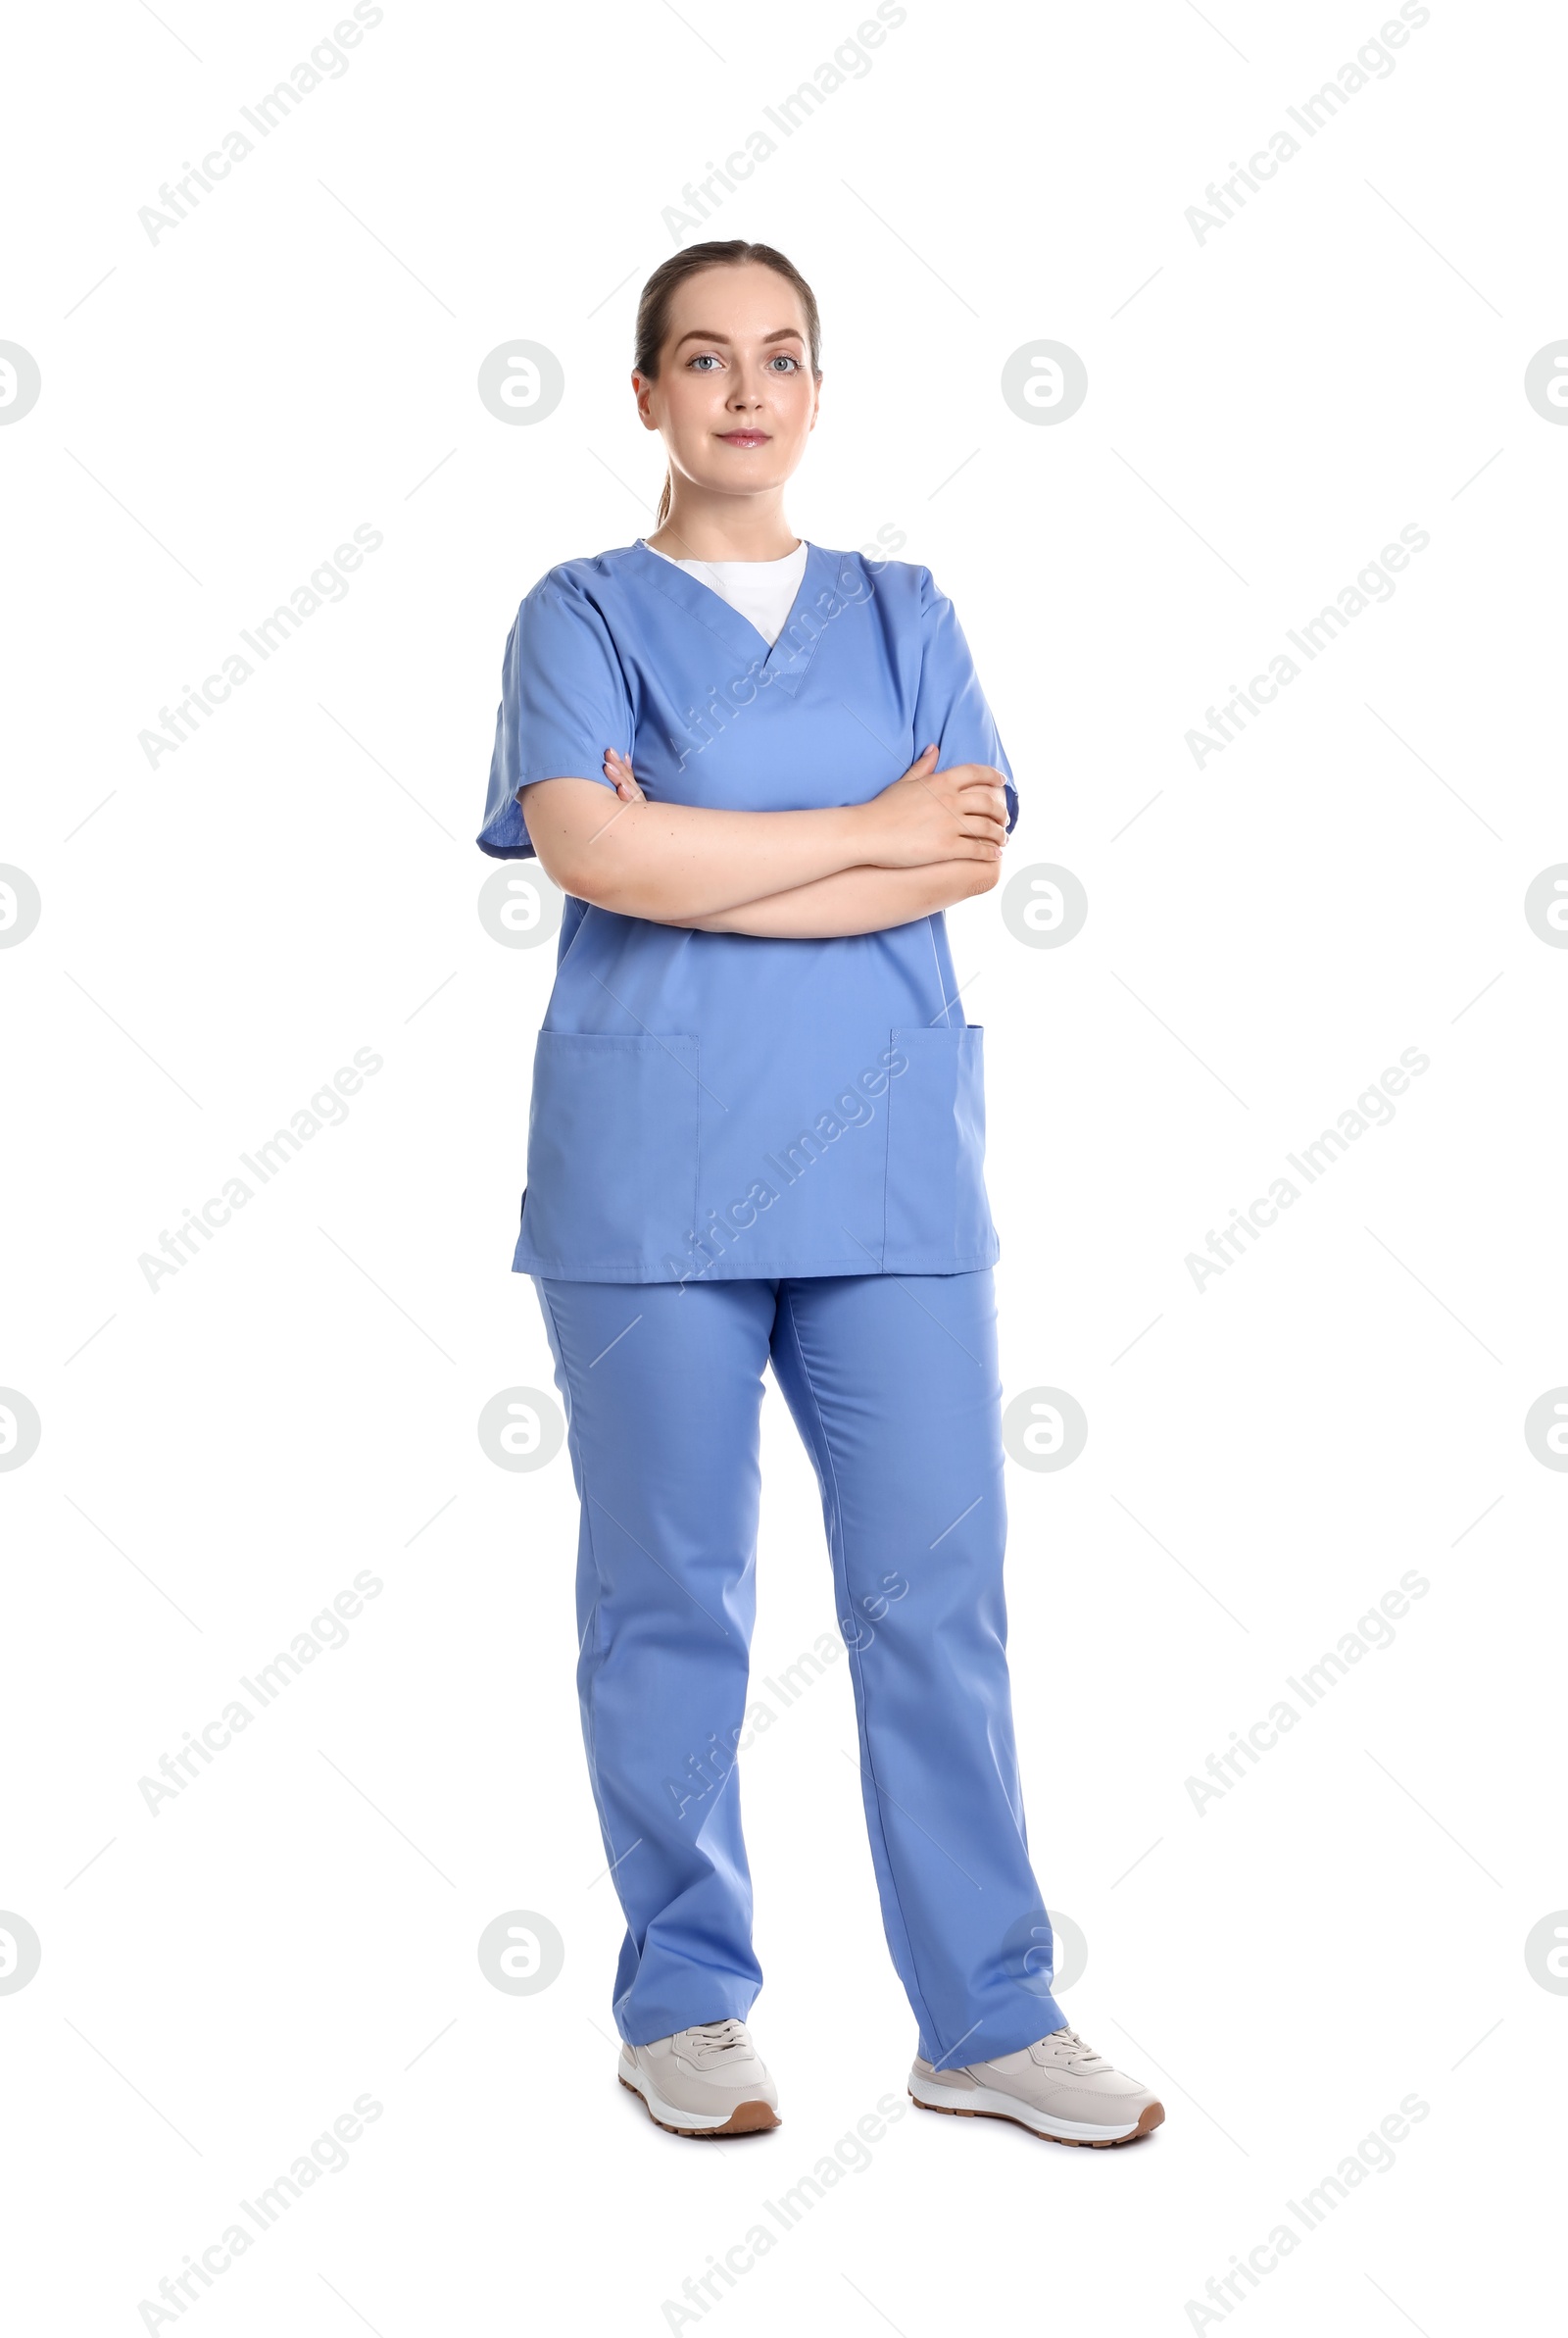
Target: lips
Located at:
point(744, 437)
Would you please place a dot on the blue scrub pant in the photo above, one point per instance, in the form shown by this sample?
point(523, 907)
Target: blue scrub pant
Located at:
point(892, 1384)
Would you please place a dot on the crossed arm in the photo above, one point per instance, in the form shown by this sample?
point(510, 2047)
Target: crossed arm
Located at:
point(930, 840)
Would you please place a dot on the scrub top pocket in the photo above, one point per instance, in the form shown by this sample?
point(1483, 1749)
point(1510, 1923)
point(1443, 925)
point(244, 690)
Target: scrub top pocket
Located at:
point(611, 1155)
point(938, 1216)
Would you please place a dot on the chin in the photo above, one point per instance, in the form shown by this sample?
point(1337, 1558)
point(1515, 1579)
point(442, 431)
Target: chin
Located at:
point(772, 476)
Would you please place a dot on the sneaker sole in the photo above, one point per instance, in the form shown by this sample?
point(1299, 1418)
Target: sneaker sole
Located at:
point(1151, 2115)
point(747, 2119)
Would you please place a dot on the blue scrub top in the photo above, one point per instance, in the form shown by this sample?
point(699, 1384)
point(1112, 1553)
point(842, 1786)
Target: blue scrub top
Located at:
point(721, 1104)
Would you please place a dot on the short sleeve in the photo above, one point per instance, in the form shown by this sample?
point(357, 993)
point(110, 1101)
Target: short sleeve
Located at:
point(563, 700)
point(950, 706)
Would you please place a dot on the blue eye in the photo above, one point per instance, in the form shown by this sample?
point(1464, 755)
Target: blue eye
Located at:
point(706, 359)
point(782, 359)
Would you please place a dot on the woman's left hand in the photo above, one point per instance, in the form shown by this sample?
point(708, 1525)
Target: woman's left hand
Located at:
point(618, 770)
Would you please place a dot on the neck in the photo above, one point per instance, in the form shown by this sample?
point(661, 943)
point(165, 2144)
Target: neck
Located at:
point(705, 526)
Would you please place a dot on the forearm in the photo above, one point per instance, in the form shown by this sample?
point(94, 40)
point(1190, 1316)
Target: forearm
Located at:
point(676, 863)
point(852, 901)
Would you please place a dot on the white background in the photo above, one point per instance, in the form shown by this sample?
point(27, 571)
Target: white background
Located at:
point(1346, 1925)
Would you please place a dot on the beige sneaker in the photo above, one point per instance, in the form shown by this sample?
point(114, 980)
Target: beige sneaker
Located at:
point(707, 2080)
point(1059, 2087)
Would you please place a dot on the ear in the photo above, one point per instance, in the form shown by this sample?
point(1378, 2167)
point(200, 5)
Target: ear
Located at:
point(642, 390)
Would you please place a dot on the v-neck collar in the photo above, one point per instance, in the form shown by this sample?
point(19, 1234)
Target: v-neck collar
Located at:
point(784, 660)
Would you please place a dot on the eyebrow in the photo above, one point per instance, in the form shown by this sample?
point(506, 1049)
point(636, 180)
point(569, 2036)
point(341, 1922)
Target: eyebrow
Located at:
point(786, 332)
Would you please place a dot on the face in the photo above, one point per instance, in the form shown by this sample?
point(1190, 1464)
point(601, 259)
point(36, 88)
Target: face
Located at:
point(735, 400)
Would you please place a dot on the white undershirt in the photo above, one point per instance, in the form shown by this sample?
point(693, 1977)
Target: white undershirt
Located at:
point(762, 590)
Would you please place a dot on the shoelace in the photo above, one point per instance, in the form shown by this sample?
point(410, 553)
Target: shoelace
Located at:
point(1080, 2054)
point(719, 2034)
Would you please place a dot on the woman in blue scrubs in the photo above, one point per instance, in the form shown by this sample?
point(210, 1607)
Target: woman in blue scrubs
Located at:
point(759, 771)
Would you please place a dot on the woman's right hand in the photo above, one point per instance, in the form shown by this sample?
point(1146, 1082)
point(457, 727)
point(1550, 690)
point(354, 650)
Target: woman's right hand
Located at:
point(957, 815)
